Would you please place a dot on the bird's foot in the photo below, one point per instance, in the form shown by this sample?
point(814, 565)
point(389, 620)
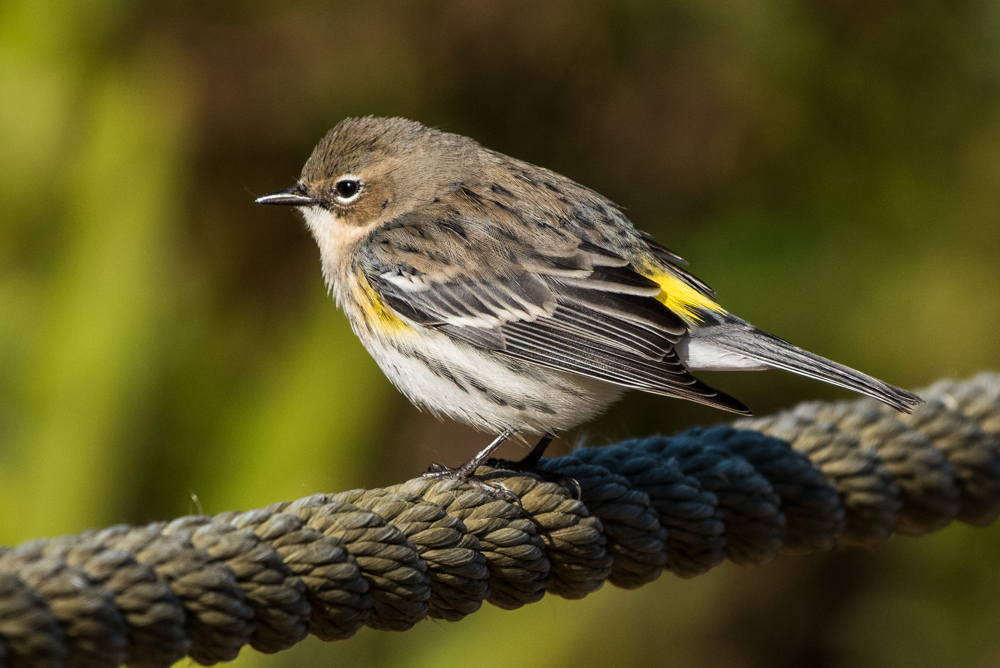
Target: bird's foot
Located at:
point(529, 465)
point(469, 477)
point(466, 473)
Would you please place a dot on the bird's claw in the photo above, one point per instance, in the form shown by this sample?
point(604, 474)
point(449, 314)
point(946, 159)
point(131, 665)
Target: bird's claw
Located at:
point(467, 476)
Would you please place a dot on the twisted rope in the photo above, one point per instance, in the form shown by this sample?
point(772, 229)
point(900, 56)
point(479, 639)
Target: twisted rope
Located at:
point(329, 564)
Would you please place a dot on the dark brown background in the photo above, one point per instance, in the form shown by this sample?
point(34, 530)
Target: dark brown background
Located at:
point(831, 167)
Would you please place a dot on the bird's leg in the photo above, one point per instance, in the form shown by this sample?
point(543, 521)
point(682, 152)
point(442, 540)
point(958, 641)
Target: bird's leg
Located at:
point(529, 464)
point(469, 467)
point(467, 471)
point(530, 460)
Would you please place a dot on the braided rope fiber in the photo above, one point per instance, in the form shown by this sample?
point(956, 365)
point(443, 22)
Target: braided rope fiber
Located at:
point(818, 476)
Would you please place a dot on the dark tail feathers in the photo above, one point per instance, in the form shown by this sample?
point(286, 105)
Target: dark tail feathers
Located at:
point(745, 339)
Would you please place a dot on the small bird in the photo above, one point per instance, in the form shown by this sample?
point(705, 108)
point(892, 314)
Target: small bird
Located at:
point(512, 298)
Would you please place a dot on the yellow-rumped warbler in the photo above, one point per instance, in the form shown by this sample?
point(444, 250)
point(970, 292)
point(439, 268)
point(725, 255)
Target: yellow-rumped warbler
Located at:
point(511, 298)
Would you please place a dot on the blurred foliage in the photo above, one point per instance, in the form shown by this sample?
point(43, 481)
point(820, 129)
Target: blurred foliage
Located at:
point(831, 167)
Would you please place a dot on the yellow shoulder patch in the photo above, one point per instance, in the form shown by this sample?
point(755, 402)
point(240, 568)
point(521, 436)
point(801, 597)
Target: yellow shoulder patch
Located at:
point(681, 298)
point(375, 310)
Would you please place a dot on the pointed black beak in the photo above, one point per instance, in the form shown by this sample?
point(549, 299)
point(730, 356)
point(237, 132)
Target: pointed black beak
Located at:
point(294, 196)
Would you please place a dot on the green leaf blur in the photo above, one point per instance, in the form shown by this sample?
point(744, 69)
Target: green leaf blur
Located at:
point(830, 167)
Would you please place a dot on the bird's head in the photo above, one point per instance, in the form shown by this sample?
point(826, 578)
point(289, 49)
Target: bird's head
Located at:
point(368, 171)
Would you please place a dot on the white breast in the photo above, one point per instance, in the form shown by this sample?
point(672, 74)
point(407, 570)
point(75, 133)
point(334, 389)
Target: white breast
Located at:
point(484, 389)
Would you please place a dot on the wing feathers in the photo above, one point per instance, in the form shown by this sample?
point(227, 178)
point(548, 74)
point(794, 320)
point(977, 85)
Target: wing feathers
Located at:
point(580, 309)
point(620, 334)
point(640, 311)
point(546, 346)
point(616, 280)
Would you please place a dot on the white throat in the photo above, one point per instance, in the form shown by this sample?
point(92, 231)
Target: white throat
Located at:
point(336, 240)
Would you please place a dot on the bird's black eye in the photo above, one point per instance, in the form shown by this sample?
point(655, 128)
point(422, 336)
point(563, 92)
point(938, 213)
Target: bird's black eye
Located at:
point(347, 188)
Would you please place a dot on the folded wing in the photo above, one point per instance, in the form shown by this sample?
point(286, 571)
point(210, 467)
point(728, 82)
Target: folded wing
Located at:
point(551, 300)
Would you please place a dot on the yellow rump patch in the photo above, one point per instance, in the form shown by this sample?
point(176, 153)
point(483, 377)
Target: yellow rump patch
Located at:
point(375, 310)
point(681, 298)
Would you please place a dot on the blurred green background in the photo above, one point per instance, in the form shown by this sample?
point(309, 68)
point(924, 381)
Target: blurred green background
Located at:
point(831, 167)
